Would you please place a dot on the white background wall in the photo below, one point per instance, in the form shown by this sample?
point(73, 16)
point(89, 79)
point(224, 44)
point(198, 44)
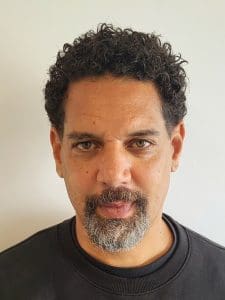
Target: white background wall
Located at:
point(31, 32)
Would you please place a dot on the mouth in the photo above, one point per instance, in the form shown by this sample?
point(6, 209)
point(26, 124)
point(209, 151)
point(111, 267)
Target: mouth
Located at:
point(116, 209)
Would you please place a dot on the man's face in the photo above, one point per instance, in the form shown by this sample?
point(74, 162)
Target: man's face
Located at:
point(116, 157)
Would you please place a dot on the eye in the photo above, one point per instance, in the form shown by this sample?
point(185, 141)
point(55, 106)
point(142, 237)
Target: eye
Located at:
point(140, 144)
point(84, 146)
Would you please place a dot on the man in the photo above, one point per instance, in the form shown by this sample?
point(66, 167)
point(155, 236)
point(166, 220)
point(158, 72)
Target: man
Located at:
point(116, 102)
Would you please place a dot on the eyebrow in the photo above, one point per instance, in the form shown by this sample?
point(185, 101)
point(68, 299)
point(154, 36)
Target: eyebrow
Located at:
point(145, 132)
point(75, 135)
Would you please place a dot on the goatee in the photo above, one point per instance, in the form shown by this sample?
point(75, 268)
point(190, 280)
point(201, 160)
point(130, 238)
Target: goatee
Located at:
point(116, 234)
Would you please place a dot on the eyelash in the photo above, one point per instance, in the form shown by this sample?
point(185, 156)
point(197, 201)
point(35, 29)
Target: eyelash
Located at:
point(76, 145)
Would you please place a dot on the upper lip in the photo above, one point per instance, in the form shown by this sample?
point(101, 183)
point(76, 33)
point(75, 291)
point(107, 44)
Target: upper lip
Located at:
point(115, 204)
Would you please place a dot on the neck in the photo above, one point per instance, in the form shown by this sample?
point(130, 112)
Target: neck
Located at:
point(156, 242)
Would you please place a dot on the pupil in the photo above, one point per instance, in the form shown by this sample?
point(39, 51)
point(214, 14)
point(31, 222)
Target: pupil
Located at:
point(86, 145)
point(140, 143)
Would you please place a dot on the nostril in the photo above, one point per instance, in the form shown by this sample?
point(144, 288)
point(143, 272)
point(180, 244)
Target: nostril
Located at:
point(113, 177)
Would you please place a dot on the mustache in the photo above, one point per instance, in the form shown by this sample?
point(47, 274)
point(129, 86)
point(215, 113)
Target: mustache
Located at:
point(111, 195)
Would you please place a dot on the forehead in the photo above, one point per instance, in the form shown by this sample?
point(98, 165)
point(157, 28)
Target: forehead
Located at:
point(112, 103)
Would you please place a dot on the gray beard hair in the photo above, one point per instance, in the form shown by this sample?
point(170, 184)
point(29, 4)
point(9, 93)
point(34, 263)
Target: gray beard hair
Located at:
point(118, 234)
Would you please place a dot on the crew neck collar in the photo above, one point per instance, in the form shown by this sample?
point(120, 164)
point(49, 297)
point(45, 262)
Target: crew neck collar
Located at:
point(122, 285)
point(128, 272)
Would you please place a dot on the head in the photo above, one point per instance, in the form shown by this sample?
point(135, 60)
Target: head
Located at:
point(116, 102)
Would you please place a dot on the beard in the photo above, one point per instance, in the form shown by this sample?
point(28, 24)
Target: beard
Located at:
point(116, 234)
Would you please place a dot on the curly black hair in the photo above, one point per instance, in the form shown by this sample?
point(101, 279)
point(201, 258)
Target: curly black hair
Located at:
point(123, 53)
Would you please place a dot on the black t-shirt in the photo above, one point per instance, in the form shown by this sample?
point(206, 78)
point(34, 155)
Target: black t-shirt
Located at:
point(49, 266)
point(129, 272)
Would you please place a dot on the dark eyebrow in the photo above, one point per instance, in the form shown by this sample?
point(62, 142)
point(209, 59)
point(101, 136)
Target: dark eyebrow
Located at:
point(81, 135)
point(145, 132)
point(75, 135)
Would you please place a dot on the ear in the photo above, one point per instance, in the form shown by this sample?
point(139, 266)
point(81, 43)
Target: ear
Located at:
point(56, 147)
point(177, 138)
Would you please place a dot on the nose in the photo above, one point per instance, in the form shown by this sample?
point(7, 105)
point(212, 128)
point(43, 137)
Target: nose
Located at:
point(114, 169)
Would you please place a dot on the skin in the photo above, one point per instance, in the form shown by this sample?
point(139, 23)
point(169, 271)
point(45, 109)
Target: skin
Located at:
point(113, 109)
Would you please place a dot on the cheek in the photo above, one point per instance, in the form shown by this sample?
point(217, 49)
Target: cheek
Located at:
point(78, 180)
point(153, 177)
point(153, 180)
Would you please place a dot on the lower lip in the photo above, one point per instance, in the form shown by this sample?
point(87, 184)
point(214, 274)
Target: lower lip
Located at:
point(116, 210)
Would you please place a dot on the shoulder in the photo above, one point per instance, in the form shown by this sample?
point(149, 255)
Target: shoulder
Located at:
point(29, 258)
point(26, 269)
point(202, 252)
point(40, 244)
point(35, 244)
point(204, 266)
point(197, 241)
point(199, 246)
point(201, 242)
point(206, 254)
